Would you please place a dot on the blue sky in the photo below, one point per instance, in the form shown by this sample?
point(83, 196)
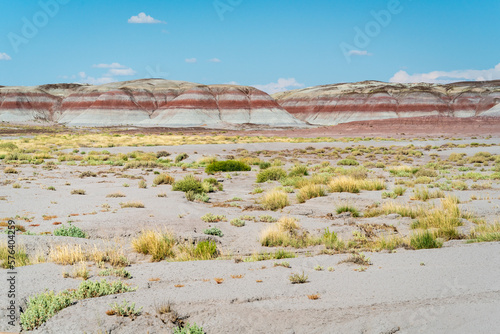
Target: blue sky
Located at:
point(273, 45)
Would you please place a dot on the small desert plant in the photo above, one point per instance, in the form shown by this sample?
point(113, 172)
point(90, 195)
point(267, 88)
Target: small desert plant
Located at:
point(77, 192)
point(356, 258)
point(296, 278)
point(347, 208)
point(87, 174)
point(163, 179)
point(284, 264)
point(116, 195)
point(132, 204)
point(267, 219)
point(189, 329)
point(124, 310)
point(70, 231)
point(10, 170)
point(237, 222)
point(274, 200)
point(213, 231)
point(271, 174)
point(227, 166)
point(51, 188)
point(16, 185)
point(161, 154)
point(90, 289)
point(115, 272)
point(211, 218)
point(142, 184)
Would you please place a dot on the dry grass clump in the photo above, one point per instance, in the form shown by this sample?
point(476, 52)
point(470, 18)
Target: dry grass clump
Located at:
point(116, 195)
point(425, 240)
point(344, 184)
point(77, 192)
point(67, 254)
point(155, 243)
point(313, 297)
point(287, 232)
point(405, 210)
point(423, 193)
point(444, 219)
point(10, 170)
point(274, 200)
point(163, 179)
point(165, 246)
point(132, 204)
point(352, 185)
point(310, 191)
point(485, 233)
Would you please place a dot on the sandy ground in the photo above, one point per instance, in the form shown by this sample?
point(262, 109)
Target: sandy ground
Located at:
point(452, 289)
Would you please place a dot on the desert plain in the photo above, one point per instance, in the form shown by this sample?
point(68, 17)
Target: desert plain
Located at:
point(317, 233)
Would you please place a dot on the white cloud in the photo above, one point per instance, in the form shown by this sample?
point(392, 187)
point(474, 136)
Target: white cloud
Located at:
point(120, 71)
point(359, 53)
point(143, 18)
point(112, 65)
point(191, 60)
point(448, 76)
point(280, 86)
point(232, 83)
point(215, 60)
point(98, 81)
point(4, 56)
point(114, 70)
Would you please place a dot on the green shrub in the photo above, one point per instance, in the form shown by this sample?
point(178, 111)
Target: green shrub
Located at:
point(211, 218)
point(298, 278)
point(189, 329)
point(237, 222)
point(348, 162)
point(213, 231)
point(271, 174)
point(70, 231)
point(188, 183)
point(264, 165)
point(180, 157)
point(347, 208)
point(115, 272)
point(125, 310)
point(298, 170)
point(227, 166)
point(42, 307)
point(45, 305)
point(89, 289)
point(206, 250)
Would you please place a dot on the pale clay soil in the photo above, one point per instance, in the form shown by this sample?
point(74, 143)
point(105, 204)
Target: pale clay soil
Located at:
point(456, 291)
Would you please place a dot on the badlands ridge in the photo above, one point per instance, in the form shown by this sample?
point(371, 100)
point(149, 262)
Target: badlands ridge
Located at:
point(167, 103)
